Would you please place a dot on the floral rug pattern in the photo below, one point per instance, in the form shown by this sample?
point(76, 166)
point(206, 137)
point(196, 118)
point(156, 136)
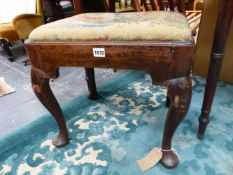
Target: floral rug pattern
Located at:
point(107, 136)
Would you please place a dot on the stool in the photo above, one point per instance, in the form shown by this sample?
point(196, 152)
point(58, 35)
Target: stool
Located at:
point(159, 43)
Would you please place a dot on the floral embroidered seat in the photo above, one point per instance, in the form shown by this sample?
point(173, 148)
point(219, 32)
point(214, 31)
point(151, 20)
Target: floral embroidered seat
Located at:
point(165, 26)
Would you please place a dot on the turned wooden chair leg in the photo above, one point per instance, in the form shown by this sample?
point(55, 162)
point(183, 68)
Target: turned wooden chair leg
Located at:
point(90, 78)
point(179, 93)
point(126, 3)
point(222, 31)
point(5, 46)
point(119, 2)
point(41, 88)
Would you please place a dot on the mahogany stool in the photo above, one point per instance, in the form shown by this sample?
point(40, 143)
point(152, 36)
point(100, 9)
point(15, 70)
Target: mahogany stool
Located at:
point(160, 43)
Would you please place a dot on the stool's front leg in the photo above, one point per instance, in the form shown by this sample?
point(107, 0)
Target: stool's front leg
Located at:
point(179, 93)
point(40, 86)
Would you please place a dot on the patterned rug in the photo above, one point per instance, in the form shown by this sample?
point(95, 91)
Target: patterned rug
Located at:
point(5, 88)
point(109, 135)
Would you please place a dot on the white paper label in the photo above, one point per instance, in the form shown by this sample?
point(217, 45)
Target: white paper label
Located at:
point(152, 158)
point(99, 52)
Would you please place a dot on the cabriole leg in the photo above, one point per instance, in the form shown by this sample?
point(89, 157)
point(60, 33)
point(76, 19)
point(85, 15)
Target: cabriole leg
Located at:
point(41, 87)
point(90, 78)
point(179, 93)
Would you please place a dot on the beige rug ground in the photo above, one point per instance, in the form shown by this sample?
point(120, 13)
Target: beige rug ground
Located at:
point(5, 88)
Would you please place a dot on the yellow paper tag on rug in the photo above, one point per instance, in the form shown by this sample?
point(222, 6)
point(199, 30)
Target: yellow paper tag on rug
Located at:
point(151, 159)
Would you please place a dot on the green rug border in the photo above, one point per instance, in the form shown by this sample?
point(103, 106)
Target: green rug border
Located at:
point(29, 133)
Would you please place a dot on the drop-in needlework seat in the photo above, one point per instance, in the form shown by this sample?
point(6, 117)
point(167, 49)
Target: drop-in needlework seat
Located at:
point(159, 43)
point(135, 26)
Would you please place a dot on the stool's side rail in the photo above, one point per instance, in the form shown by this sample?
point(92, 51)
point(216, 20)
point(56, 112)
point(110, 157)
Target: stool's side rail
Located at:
point(171, 59)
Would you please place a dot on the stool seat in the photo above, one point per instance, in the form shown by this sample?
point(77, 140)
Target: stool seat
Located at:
point(134, 26)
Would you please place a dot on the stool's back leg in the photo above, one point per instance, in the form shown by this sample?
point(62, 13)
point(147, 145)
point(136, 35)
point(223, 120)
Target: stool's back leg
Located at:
point(90, 78)
point(40, 86)
point(167, 102)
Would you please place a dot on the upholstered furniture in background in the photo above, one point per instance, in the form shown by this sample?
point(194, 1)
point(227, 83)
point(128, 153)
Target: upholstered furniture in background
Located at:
point(20, 28)
point(159, 43)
